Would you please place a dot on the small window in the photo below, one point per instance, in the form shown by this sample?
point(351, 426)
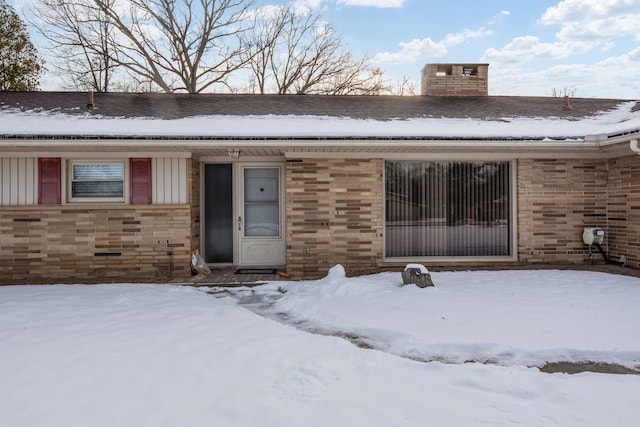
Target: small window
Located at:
point(444, 70)
point(97, 181)
point(469, 70)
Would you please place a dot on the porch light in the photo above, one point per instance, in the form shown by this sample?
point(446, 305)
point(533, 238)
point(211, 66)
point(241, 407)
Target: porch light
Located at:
point(234, 153)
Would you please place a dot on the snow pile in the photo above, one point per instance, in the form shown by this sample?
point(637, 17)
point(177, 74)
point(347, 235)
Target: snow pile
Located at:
point(161, 355)
point(507, 317)
point(31, 123)
point(420, 267)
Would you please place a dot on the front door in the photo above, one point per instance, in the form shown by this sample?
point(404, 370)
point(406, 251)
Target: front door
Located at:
point(243, 214)
point(260, 219)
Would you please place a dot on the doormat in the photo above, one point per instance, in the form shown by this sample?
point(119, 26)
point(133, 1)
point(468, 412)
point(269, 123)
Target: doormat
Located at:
point(256, 271)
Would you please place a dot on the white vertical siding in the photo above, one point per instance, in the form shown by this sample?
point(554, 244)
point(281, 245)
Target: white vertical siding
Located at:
point(18, 181)
point(169, 180)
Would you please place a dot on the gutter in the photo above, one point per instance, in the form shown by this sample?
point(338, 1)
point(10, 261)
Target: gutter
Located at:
point(633, 145)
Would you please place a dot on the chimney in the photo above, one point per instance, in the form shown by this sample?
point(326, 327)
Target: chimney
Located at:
point(455, 80)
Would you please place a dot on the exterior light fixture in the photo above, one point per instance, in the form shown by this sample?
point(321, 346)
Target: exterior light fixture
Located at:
point(234, 153)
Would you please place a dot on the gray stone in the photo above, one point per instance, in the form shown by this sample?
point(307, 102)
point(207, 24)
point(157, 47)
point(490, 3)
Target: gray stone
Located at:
point(415, 276)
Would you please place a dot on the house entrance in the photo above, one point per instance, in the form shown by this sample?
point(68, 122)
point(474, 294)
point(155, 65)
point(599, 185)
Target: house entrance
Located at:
point(243, 214)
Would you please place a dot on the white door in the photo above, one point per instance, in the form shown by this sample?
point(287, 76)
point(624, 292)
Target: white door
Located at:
point(260, 225)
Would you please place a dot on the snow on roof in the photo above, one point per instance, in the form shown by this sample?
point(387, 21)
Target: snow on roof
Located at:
point(21, 124)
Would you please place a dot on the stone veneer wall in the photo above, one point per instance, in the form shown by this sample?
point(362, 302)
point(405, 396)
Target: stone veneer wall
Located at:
point(334, 216)
point(69, 244)
point(623, 220)
point(556, 200)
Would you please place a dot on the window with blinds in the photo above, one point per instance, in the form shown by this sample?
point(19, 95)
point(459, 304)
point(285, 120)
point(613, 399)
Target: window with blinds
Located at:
point(97, 181)
point(447, 209)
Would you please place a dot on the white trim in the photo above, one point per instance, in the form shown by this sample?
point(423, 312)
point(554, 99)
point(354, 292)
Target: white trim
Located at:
point(81, 155)
point(591, 146)
point(80, 200)
point(241, 159)
point(240, 240)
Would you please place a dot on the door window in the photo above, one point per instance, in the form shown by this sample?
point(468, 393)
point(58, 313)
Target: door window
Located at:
point(261, 202)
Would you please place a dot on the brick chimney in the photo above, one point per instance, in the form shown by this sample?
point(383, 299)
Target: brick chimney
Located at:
point(455, 80)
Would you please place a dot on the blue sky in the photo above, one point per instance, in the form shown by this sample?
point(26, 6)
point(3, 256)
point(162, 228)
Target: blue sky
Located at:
point(590, 48)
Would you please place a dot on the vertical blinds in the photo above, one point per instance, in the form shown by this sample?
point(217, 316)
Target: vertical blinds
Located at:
point(447, 209)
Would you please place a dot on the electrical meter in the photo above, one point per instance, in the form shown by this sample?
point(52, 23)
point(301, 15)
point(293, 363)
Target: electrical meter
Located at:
point(593, 236)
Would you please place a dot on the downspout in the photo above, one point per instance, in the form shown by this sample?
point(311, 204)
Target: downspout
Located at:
point(633, 144)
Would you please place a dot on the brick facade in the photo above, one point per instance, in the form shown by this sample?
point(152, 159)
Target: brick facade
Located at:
point(72, 244)
point(334, 216)
point(335, 213)
point(556, 200)
point(623, 203)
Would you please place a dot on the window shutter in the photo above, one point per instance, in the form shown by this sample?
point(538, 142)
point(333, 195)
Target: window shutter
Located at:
point(140, 181)
point(49, 173)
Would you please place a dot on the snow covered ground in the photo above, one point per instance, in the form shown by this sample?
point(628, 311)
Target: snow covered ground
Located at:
point(163, 355)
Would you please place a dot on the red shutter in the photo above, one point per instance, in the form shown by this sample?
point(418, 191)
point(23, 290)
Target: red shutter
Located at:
point(49, 191)
point(140, 181)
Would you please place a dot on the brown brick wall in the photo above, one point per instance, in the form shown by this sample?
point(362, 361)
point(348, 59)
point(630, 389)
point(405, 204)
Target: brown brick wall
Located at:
point(623, 222)
point(556, 200)
point(334, 216)
point(335, 208)
point(58, 244)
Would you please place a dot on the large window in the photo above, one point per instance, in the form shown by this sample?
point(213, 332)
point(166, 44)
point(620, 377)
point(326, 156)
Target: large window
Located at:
point(447, 209)
point(103, 181)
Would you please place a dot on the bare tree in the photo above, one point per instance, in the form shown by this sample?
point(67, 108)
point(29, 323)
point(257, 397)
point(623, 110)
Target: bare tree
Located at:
point(80, 36)
point(172, 45)
point(298, 53)
point(405, 87)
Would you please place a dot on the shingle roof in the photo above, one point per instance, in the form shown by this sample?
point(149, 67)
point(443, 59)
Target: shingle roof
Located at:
point(173, 106)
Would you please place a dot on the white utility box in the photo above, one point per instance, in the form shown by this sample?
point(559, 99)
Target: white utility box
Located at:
point(593, 235)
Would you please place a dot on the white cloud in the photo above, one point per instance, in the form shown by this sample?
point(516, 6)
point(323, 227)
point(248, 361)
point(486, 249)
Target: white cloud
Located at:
point(466, 34)
point(306, 6)
point(420, 48)
point(373, 3)
point(412, 51)
point(594, 19)
point(527, 48)
point(499, 17)
point(615, 77)
point(310, 5)
point(264, 12)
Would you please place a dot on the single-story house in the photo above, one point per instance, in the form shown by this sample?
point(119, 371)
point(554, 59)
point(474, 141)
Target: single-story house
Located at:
point(126, 187)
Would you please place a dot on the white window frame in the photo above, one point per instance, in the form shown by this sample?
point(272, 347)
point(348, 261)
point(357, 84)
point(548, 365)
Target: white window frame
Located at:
point(125, 181)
